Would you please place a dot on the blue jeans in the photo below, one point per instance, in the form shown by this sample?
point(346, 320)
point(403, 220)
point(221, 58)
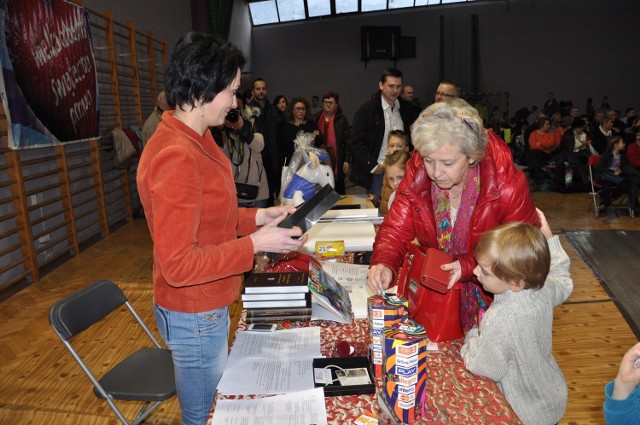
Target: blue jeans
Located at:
point(198, 344)
point(376, 184)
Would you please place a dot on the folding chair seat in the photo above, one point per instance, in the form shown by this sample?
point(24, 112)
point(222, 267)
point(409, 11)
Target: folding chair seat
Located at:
point(623, 203)
point(145, 376)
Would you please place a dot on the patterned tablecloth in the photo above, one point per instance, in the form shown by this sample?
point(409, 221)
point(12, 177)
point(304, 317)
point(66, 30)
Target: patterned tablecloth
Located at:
point(455, 396)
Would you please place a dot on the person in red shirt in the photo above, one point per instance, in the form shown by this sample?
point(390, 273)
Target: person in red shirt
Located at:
point(542, 147)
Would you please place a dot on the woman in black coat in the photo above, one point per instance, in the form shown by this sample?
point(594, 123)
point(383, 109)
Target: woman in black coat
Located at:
point(333, 125)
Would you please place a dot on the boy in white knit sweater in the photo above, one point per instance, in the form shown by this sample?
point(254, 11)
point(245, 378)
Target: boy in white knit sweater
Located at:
point(528, 271)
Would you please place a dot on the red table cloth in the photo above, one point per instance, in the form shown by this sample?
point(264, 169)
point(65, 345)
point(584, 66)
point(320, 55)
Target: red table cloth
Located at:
point(454, 395)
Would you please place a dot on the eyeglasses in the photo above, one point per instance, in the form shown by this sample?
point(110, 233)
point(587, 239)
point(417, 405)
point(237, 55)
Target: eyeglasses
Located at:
point(329, 102)
point(299, 109)
point(439, 93)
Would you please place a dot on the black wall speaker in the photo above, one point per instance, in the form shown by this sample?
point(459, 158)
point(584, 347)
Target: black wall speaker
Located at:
point(407, 47)
point(380, 43)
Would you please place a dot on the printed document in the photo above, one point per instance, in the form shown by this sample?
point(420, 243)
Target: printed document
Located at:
point(301, 408)
point(278, 345)
point(271, 362)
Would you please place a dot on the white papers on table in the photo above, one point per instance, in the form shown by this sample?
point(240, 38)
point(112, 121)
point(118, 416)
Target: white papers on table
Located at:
point(256, 376)
point(289, 343)
point(302, 408)
point(356, 236)
point(271, 362)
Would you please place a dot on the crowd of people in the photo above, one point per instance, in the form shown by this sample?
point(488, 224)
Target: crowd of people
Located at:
point(209, 177)
point(554, 144)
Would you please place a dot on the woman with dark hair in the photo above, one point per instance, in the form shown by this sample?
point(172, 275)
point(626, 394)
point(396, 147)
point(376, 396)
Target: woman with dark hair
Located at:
point(333, 125)
point(297, 118)
point(460, 182)
point(189, 197)
point(280, 102)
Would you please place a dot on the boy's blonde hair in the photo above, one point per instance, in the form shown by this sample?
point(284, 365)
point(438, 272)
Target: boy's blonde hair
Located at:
point(516, 251)
point(400, 135)
point(398, 158)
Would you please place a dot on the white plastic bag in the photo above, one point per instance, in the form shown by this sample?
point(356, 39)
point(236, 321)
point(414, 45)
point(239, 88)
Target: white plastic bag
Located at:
point(307, 172)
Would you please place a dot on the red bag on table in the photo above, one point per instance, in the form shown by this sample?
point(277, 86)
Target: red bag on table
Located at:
point(438, 312)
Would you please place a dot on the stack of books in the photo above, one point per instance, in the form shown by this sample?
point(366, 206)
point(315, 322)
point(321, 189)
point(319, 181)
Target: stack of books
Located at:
point(279, 296)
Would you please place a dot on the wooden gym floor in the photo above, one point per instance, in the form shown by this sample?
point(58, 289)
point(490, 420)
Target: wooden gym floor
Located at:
point(41, 384)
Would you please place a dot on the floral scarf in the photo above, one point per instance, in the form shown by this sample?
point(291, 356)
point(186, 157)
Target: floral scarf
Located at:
point(453, 238)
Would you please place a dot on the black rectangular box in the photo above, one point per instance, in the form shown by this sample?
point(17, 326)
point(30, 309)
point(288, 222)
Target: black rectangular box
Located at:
point(310, 212)
point(336, 388)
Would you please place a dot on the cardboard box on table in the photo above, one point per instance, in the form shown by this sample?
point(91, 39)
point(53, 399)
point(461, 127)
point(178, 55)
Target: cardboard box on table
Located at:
point(405, 371)
point(384, 312)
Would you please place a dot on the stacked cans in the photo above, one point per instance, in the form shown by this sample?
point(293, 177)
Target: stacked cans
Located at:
point(384, 313)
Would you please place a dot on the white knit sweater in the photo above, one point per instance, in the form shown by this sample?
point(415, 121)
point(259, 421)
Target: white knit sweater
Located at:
point(513, 345)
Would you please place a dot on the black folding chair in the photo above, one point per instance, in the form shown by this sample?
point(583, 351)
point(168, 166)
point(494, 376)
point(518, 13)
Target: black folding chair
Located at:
point(146, 375)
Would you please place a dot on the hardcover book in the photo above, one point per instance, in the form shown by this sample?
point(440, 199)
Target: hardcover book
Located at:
point(284, 318)
point(274, 303)
point(282, 311)
point(273, 297)
point(276, 283)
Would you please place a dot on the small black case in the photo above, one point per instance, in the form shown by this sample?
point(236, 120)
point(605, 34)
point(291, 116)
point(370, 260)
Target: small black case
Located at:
point(336, 388)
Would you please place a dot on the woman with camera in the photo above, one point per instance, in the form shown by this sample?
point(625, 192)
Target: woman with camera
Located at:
point(202, 241)
point(243, 147)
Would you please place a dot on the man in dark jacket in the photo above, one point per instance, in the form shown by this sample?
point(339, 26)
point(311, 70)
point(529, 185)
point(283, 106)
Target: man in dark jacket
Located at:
point(384, 112)
point(267, 124)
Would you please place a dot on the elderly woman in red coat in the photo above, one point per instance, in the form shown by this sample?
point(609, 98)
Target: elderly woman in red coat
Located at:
point(460, 182)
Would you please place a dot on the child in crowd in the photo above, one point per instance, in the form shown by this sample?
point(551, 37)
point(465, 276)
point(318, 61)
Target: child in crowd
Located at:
point(397, 140)
point(394, 165)
point(528, 272)
point(622, 395)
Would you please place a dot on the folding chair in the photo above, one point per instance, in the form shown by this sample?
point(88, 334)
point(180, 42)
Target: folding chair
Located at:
point(146, 375)
point(597, 187)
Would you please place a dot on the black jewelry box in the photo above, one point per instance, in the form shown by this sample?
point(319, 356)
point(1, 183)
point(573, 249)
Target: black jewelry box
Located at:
point(335, 364)
point(310, 212)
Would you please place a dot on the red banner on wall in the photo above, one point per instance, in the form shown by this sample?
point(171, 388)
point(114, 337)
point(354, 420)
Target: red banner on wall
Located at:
point(49, 72)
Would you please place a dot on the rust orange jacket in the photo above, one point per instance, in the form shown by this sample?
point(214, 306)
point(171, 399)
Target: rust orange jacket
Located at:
point(545, 142)
point(189, 198)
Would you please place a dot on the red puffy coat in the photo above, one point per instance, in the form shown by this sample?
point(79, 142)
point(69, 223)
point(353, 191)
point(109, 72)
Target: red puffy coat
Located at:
point(504, 197)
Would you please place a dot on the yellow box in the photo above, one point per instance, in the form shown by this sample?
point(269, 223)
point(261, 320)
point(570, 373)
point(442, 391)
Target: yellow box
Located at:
point(330, 248)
